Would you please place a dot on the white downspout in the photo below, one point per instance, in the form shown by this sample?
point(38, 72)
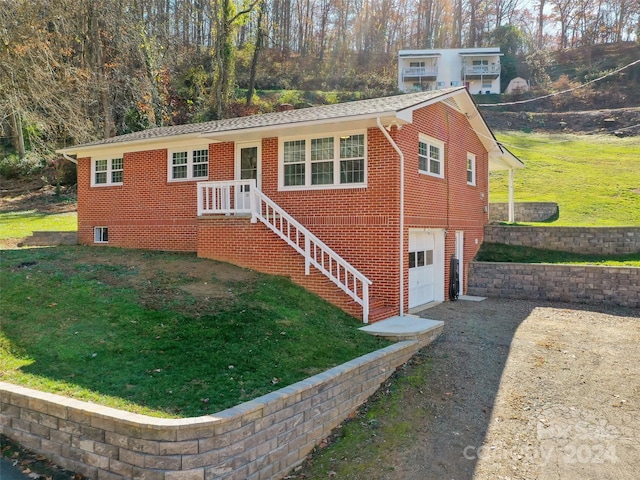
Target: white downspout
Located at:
point(511, 197)
point(397, 149)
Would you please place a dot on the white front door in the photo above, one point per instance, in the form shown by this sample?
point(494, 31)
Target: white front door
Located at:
point(426, 267)
point(248, 166)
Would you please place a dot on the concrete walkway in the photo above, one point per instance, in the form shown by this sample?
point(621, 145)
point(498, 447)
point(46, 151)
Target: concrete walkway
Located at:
point(408, 327)
point(9, 472)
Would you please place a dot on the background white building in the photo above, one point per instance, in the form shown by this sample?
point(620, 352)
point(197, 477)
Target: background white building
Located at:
point(476, 68)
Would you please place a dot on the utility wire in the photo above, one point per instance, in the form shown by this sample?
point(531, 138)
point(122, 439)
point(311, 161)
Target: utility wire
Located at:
point(519, 102)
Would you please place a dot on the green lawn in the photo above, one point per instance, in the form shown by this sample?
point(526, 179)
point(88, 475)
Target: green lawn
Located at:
point(24, 223)
point(495, 252)
point(163, 334)
point(595, 179)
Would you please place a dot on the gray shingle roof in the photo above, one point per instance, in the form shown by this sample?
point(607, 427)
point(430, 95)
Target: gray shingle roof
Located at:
point(372, 106)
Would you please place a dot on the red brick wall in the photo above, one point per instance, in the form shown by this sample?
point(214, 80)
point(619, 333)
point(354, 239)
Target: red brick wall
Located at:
point(146, 211)
point(448, 202)
point(252, 245)
point(360, 224)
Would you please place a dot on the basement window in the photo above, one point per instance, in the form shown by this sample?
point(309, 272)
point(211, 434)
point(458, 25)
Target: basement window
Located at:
point(101, 234)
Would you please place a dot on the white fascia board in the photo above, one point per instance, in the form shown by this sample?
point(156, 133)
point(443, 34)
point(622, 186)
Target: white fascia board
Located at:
point(418, 53)
point(485, 54)
point(120, 148)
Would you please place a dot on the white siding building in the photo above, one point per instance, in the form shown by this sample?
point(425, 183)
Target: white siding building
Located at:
point(476, 68)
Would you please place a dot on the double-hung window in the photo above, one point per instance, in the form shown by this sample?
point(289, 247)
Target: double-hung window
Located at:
point(191, 164)
point(471, 169)
point(431, 156)
point(323, 162)
point(107, 172)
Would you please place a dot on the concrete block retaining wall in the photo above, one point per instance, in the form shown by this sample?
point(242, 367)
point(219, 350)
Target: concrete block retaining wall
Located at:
point(523, 211)
point(261, 439)
point(50, 239)
point(596, 240)
point(565, 283)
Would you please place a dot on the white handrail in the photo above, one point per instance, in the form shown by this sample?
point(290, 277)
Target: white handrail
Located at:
point(314, 250)
point(243, 196)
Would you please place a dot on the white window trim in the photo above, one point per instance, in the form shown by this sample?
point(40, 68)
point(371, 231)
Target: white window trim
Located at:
point(109, 172)
point(307, 172)
point(436, 143)
point(472, 157)
point(95, 234)
point(189, 150)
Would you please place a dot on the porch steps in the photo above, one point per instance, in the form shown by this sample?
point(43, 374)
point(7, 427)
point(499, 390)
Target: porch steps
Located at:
point(379, 310)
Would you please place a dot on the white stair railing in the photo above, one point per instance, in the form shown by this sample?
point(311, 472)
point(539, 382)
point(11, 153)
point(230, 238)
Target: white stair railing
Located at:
point(243, 196)
point(231, 197)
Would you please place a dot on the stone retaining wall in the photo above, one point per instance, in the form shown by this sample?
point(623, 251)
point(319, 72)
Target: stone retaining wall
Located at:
point(44, 239)
point(596, 240)
point(261, 439)
point(523, 211)
point(565, 283)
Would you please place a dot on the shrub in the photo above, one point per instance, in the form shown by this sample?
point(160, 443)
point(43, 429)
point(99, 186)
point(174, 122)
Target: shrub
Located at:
point(12, 166)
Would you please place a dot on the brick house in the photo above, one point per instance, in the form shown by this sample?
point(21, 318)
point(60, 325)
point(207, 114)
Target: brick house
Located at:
point(364, 203)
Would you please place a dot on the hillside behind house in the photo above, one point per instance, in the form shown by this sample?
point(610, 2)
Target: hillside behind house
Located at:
point(593, 178)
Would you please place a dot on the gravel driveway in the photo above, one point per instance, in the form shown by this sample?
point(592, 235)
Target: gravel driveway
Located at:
point(514, 390)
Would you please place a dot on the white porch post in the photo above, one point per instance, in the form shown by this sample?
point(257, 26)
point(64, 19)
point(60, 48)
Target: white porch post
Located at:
point(200, 191)
point(511, 196)
point(253, 201)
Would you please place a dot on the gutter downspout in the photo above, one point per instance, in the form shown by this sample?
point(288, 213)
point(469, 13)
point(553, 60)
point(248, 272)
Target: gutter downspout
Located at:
point(397, 149)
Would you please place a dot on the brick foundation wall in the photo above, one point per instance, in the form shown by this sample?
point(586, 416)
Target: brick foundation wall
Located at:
point(252, 245)
point(596, 240)
point(565, 283)
point(261, 439)
point(523, 211)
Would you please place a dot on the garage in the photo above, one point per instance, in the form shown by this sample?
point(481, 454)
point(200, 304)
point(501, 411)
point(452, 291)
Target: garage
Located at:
point(426, 266)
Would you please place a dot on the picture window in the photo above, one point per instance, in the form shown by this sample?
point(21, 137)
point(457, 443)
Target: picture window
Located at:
point(328, 161)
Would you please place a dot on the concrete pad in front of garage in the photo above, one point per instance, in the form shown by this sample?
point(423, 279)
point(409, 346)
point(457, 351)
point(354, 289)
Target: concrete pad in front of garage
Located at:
point(405, 327)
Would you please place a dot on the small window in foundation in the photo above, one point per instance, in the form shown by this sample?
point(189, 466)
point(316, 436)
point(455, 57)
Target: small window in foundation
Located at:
point(101, 234)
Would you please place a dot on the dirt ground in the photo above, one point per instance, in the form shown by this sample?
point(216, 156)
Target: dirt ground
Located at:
point(516, 390)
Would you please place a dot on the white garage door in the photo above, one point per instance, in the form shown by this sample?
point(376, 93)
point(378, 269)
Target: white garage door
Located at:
point(426, 267)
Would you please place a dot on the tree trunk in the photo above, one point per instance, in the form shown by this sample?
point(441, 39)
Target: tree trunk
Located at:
point(256, 53)
point(17, 136)
point(541, 24)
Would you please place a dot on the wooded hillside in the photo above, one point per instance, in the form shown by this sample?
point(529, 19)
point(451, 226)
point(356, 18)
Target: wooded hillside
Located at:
point(76, 70)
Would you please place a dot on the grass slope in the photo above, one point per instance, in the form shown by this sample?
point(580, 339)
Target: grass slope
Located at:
point(160, 333)
point(594, 179)
point(24, 223)
point(496, 252)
